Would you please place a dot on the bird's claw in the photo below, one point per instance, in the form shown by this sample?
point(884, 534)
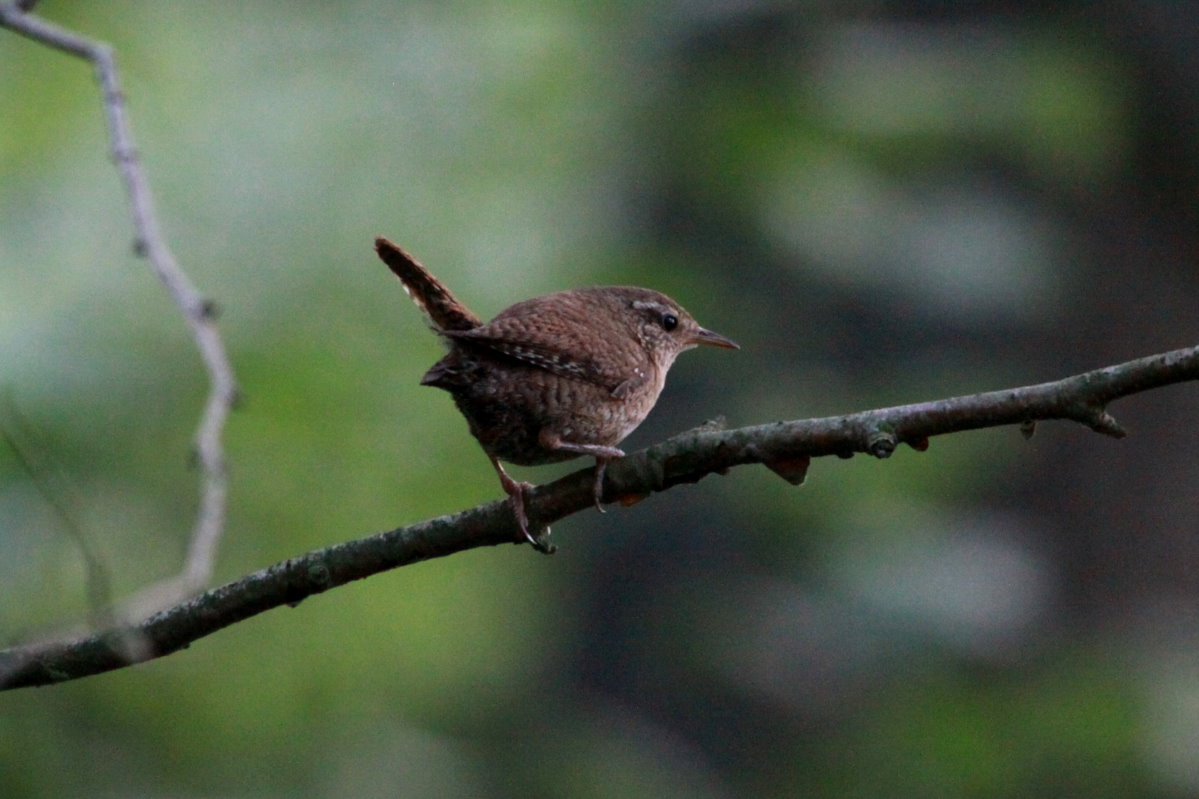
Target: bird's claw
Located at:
point(601, 465)
point(516, 498)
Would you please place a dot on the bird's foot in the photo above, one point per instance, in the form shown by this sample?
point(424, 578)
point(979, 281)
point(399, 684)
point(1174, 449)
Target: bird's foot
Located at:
point(517, 491)
point(602, 453)
point(601, 465)
point(516, 498)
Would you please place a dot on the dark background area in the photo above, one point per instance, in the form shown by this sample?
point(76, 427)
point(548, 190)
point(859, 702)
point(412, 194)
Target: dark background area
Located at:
point(881, 202)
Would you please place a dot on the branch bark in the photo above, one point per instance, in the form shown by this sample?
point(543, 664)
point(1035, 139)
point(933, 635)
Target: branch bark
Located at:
point(785, 447)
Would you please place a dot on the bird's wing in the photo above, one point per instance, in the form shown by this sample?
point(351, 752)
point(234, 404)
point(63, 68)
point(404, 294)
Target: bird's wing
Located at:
point(560, 335)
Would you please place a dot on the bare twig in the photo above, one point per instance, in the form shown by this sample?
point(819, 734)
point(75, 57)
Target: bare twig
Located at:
point(50, 481)
point(198, 311)
point(786, 447)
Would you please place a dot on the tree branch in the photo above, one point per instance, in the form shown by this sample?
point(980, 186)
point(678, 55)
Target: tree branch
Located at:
point(198, 312)
point(785, 447)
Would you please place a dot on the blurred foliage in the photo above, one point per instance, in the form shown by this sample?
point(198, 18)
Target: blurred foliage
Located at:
point(883, 202)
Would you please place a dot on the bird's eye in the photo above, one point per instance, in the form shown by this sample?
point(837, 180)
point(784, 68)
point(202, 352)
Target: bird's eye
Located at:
point(669, 322)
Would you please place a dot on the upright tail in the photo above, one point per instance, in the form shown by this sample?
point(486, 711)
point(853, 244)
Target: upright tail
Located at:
point(429, 293)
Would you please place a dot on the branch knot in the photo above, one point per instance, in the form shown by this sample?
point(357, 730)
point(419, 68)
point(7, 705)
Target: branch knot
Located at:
point(881, 441)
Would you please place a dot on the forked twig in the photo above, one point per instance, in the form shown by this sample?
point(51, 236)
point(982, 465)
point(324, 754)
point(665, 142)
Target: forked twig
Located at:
point(197, 311)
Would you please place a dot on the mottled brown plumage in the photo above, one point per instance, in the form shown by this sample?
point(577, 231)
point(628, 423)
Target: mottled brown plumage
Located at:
point(555, 377)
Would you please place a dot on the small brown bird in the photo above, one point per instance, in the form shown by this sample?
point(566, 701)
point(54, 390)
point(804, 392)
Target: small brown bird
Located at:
point(555, 377)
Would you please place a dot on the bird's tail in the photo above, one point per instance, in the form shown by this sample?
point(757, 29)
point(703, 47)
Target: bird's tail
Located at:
point(430, 294)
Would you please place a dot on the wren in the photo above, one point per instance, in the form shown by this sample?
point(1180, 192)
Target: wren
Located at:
point(555, 377)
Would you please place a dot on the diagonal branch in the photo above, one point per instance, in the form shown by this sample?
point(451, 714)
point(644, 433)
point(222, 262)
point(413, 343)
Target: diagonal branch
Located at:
point(198, 312)
point(785, 447)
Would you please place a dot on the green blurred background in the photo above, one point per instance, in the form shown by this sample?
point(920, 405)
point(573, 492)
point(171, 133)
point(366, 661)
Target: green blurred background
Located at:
point(883, 202)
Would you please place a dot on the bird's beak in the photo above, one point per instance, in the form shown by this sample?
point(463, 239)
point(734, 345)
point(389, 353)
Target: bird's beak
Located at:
point(704, 336)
